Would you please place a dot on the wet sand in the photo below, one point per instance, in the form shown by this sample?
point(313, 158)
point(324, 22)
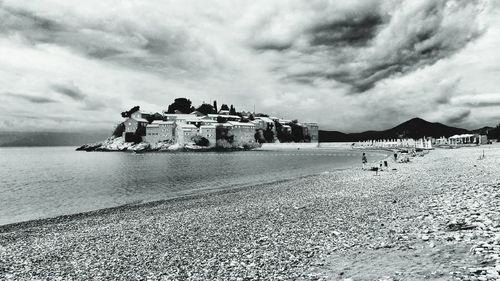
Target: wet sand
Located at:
point(434, 218)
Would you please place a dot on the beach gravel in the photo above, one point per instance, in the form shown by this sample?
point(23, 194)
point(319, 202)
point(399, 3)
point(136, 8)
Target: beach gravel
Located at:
point(435, 218)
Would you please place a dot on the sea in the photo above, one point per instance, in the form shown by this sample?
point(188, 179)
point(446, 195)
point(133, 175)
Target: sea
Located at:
point(43, 182)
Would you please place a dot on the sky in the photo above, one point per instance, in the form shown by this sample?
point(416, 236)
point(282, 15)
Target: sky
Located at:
point(349, 65)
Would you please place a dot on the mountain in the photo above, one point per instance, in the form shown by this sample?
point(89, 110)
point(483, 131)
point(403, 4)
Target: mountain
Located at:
point(50, 138)
point(413, 128)
point(484, 130)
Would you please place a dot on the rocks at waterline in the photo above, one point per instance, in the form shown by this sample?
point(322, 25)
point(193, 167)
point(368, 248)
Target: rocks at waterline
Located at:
point(118, 144)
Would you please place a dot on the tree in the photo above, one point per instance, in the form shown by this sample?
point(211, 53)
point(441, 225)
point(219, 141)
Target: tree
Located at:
point(118, 132)
point(181, 104)
point(156, 116)
point(206, 109)
point(495, 133)
point(259, 136)
point(215, 106)
point(297, 131)
point(232, 110)
point(224, 137)
point(127, 114)
point(201, 141)
point(224, 107)
point(269, 135)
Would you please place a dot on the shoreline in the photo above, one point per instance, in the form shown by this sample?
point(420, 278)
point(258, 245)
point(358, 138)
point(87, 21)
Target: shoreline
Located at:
point(190, 196)
point(149, 204)
point(347, 224)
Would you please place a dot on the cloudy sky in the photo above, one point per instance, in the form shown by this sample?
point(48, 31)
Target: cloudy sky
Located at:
point(349, 65)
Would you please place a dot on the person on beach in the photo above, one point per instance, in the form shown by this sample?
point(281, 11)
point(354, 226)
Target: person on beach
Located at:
point(364, 160)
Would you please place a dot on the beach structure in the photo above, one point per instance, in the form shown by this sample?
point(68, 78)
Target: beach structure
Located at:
point(441, 141)
point(422, 143)
point(468, 139)
point(461, 139)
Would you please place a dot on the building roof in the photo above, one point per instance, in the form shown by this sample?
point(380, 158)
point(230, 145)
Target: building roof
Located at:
point(265, 119)
point(224, 124)
point(211, 126)
point(140, 119)
point(161, 122)
point(186, 126)
point(177, 115)
point(461, 136)
point(152, 126)
point(225, 116)
point(247, 124)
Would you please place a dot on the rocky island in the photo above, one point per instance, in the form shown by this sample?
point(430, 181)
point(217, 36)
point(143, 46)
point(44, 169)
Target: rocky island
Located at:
point(182, 127)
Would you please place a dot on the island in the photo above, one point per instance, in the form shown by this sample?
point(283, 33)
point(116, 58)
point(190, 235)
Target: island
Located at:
point(183, 127)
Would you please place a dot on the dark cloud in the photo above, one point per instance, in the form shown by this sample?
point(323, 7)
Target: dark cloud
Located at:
point(354, 30)
point(362, 47)
point(120, 42)
point(32, 99)
point(88, 102)
point(34, 26)
point(458, 117)
point(41, 29)
point(69, 90)
point(271, 45)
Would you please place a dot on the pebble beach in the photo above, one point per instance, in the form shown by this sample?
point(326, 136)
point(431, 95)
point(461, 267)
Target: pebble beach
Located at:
point(434, 218)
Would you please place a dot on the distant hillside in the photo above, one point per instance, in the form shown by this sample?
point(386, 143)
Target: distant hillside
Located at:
point(413, 128)
point(484, 130)
point(50, 138)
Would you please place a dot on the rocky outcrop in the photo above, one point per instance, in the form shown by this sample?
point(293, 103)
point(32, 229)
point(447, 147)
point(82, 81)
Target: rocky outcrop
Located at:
point(119, 144)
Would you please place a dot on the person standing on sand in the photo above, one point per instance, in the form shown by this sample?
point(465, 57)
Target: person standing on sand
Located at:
point(364, 160)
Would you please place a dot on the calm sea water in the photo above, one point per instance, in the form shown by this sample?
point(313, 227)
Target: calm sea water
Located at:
point(51, 181)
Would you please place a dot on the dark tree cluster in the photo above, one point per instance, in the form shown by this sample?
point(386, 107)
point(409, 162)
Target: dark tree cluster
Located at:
point(201, 141)
point(494, 133)
point(223, 133)
point(207, 109)
point(156, 116)
point(118, 132)
point(128, 113)
point(181, 105)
